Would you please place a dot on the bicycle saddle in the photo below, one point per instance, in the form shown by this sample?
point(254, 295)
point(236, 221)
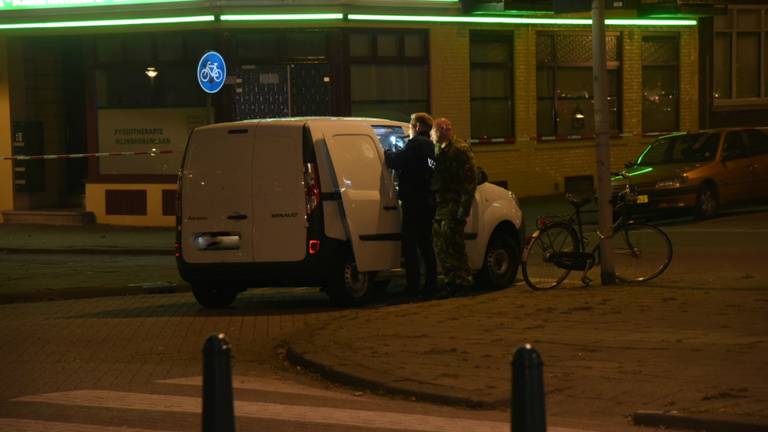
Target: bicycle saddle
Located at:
point(576, 201)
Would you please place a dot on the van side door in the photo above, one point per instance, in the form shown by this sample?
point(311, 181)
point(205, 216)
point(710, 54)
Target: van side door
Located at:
point(372, 220)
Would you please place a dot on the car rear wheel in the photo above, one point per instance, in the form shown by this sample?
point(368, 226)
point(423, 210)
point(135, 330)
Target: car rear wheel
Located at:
point(707, 203)
point(500, 263)
point(347, 286)
point(214, 296)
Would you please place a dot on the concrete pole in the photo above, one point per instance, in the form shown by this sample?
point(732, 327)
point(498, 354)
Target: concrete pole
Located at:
point(602, 135)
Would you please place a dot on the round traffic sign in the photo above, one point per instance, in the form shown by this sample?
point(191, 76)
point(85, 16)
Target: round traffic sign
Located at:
point(211, 72)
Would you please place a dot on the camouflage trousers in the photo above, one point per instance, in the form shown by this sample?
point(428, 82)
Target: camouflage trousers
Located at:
point(451, 251)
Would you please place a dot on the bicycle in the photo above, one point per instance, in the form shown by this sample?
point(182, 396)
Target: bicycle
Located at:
point(211, 71)
point(642, 251)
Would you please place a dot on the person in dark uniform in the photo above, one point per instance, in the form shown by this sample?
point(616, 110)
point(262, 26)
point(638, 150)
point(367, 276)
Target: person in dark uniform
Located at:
point(414, 165)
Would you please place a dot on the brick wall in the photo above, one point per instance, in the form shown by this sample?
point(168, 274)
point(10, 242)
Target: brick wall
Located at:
point(539, 168)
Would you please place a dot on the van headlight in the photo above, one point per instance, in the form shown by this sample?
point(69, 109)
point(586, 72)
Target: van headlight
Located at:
point(672, 183)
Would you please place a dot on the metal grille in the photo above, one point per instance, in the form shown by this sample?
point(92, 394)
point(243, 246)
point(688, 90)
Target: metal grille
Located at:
point(612, 48)
point(545, 49)
point(310, 90)
point(263, 92)
point(574, 49)
point(660, 51)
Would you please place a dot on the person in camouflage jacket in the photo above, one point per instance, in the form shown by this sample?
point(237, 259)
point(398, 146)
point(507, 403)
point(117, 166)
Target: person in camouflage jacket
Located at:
point(454, 182)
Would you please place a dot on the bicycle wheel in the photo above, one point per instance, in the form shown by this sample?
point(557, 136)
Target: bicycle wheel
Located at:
point(539, 271)
point(641, 252)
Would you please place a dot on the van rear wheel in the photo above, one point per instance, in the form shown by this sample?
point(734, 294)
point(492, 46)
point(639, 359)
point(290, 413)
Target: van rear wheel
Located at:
point(214, 296)
point(349, 287)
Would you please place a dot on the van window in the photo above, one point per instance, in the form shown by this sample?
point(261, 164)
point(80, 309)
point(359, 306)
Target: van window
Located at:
point(735, 146)
point(390, 137)
point(758, 141)
point(359, 162)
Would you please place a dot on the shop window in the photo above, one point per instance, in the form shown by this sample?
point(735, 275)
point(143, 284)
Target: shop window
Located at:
point(147, 72)
point(740, 55)
point(661, 69)
point(564, 83)
point(388, 74)
point(491, 85)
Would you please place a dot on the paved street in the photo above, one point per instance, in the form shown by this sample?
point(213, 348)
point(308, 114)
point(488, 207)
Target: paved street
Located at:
point(693, 342)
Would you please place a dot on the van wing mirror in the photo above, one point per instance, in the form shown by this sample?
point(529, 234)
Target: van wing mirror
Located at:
point(481, 176)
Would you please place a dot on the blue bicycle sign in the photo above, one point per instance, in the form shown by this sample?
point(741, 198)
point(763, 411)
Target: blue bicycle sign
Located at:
point(211, 72)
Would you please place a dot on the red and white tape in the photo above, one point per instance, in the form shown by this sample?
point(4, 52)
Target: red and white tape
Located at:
point(85, 155)
point(511, 140)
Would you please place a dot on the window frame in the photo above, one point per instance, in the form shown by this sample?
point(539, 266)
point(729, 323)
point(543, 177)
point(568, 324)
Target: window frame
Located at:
point(616, 65)
point(676, 37)
point(733, 31)
point(498, 36)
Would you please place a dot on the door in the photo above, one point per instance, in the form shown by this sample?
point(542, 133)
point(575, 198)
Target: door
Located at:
point(736, 168)
point(217, 191)
point(372, 220)
point(758, 150)
point(279, 206)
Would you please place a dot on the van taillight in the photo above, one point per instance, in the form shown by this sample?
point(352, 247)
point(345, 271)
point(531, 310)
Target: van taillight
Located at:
point(311, 186)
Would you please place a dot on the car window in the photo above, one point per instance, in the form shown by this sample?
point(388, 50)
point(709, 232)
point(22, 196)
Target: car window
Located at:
point(390, 137)
point(682, 148)
point(758, 141)
point(735, 146)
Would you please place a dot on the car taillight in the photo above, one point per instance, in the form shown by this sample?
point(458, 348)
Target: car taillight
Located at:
point(311, 187)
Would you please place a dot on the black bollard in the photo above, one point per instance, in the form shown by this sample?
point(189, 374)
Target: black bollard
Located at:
point(218, 406)
point(528, 413)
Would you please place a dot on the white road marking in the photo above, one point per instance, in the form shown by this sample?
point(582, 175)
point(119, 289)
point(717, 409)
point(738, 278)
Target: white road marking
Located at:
point(290, 413)
point(265, 384)
point(24, 425)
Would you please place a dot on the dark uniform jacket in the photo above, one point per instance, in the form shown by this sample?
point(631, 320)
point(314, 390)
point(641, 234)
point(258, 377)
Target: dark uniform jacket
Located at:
point(414, 165)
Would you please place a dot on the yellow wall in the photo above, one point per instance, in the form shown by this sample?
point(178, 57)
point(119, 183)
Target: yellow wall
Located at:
point(6, 170)
point(539, 168)
point(95, 202)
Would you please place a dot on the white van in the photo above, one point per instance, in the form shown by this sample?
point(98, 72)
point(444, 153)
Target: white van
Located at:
point(310, 202)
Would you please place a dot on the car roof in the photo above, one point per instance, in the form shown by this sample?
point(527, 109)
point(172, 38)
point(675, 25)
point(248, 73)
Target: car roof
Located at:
point(299, 121)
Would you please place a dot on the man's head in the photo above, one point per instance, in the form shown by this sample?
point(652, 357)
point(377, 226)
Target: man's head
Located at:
point(421, 124)
point(442, 131)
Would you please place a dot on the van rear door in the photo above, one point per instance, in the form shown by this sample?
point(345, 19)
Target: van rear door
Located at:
point(372, 221)
point(279, 205)
point(217, 196)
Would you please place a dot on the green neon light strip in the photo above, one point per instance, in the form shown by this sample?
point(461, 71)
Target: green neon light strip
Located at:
point(516, 20)
point(283, 17)
point(11, 5)
point(109, 23)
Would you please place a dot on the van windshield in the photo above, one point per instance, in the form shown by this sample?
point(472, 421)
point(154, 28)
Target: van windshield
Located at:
point(391, 137)
point(683, 148)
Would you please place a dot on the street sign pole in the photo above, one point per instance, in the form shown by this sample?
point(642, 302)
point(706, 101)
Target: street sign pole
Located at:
point(602, 135)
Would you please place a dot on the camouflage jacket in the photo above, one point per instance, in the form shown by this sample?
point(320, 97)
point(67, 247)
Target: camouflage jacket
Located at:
point(454, 180)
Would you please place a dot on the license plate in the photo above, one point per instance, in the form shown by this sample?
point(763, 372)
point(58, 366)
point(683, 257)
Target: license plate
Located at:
point(642, 199)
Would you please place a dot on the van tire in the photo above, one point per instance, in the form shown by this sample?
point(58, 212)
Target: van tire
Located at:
point(213, 296)
point(347, 287)
point(500, 262)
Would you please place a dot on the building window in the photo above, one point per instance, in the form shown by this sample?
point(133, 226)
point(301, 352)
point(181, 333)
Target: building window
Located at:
point(388, 73)
point(491, 85)
point(143, 71)
point(661, 69)
point(564, 83)
point(740, 69)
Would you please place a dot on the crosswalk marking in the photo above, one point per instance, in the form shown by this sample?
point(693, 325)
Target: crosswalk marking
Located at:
point(24, 425)
point(291, 413)
point(265, 384)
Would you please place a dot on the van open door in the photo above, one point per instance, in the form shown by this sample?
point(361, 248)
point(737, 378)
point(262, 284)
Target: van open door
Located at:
point(372, 217)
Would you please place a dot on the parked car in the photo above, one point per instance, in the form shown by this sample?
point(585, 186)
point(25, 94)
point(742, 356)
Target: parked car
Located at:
point(701, 170)
point(310, 202)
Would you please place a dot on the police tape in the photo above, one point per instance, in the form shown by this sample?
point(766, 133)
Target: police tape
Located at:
point(86, 155)
point(512, 140)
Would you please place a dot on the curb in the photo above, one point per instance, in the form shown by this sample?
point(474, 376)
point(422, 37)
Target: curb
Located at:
point(87, 251)
point(95, 292)
point(666, 420)
point(377, 382)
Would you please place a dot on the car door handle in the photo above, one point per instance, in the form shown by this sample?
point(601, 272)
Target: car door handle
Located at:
point(237, 216)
